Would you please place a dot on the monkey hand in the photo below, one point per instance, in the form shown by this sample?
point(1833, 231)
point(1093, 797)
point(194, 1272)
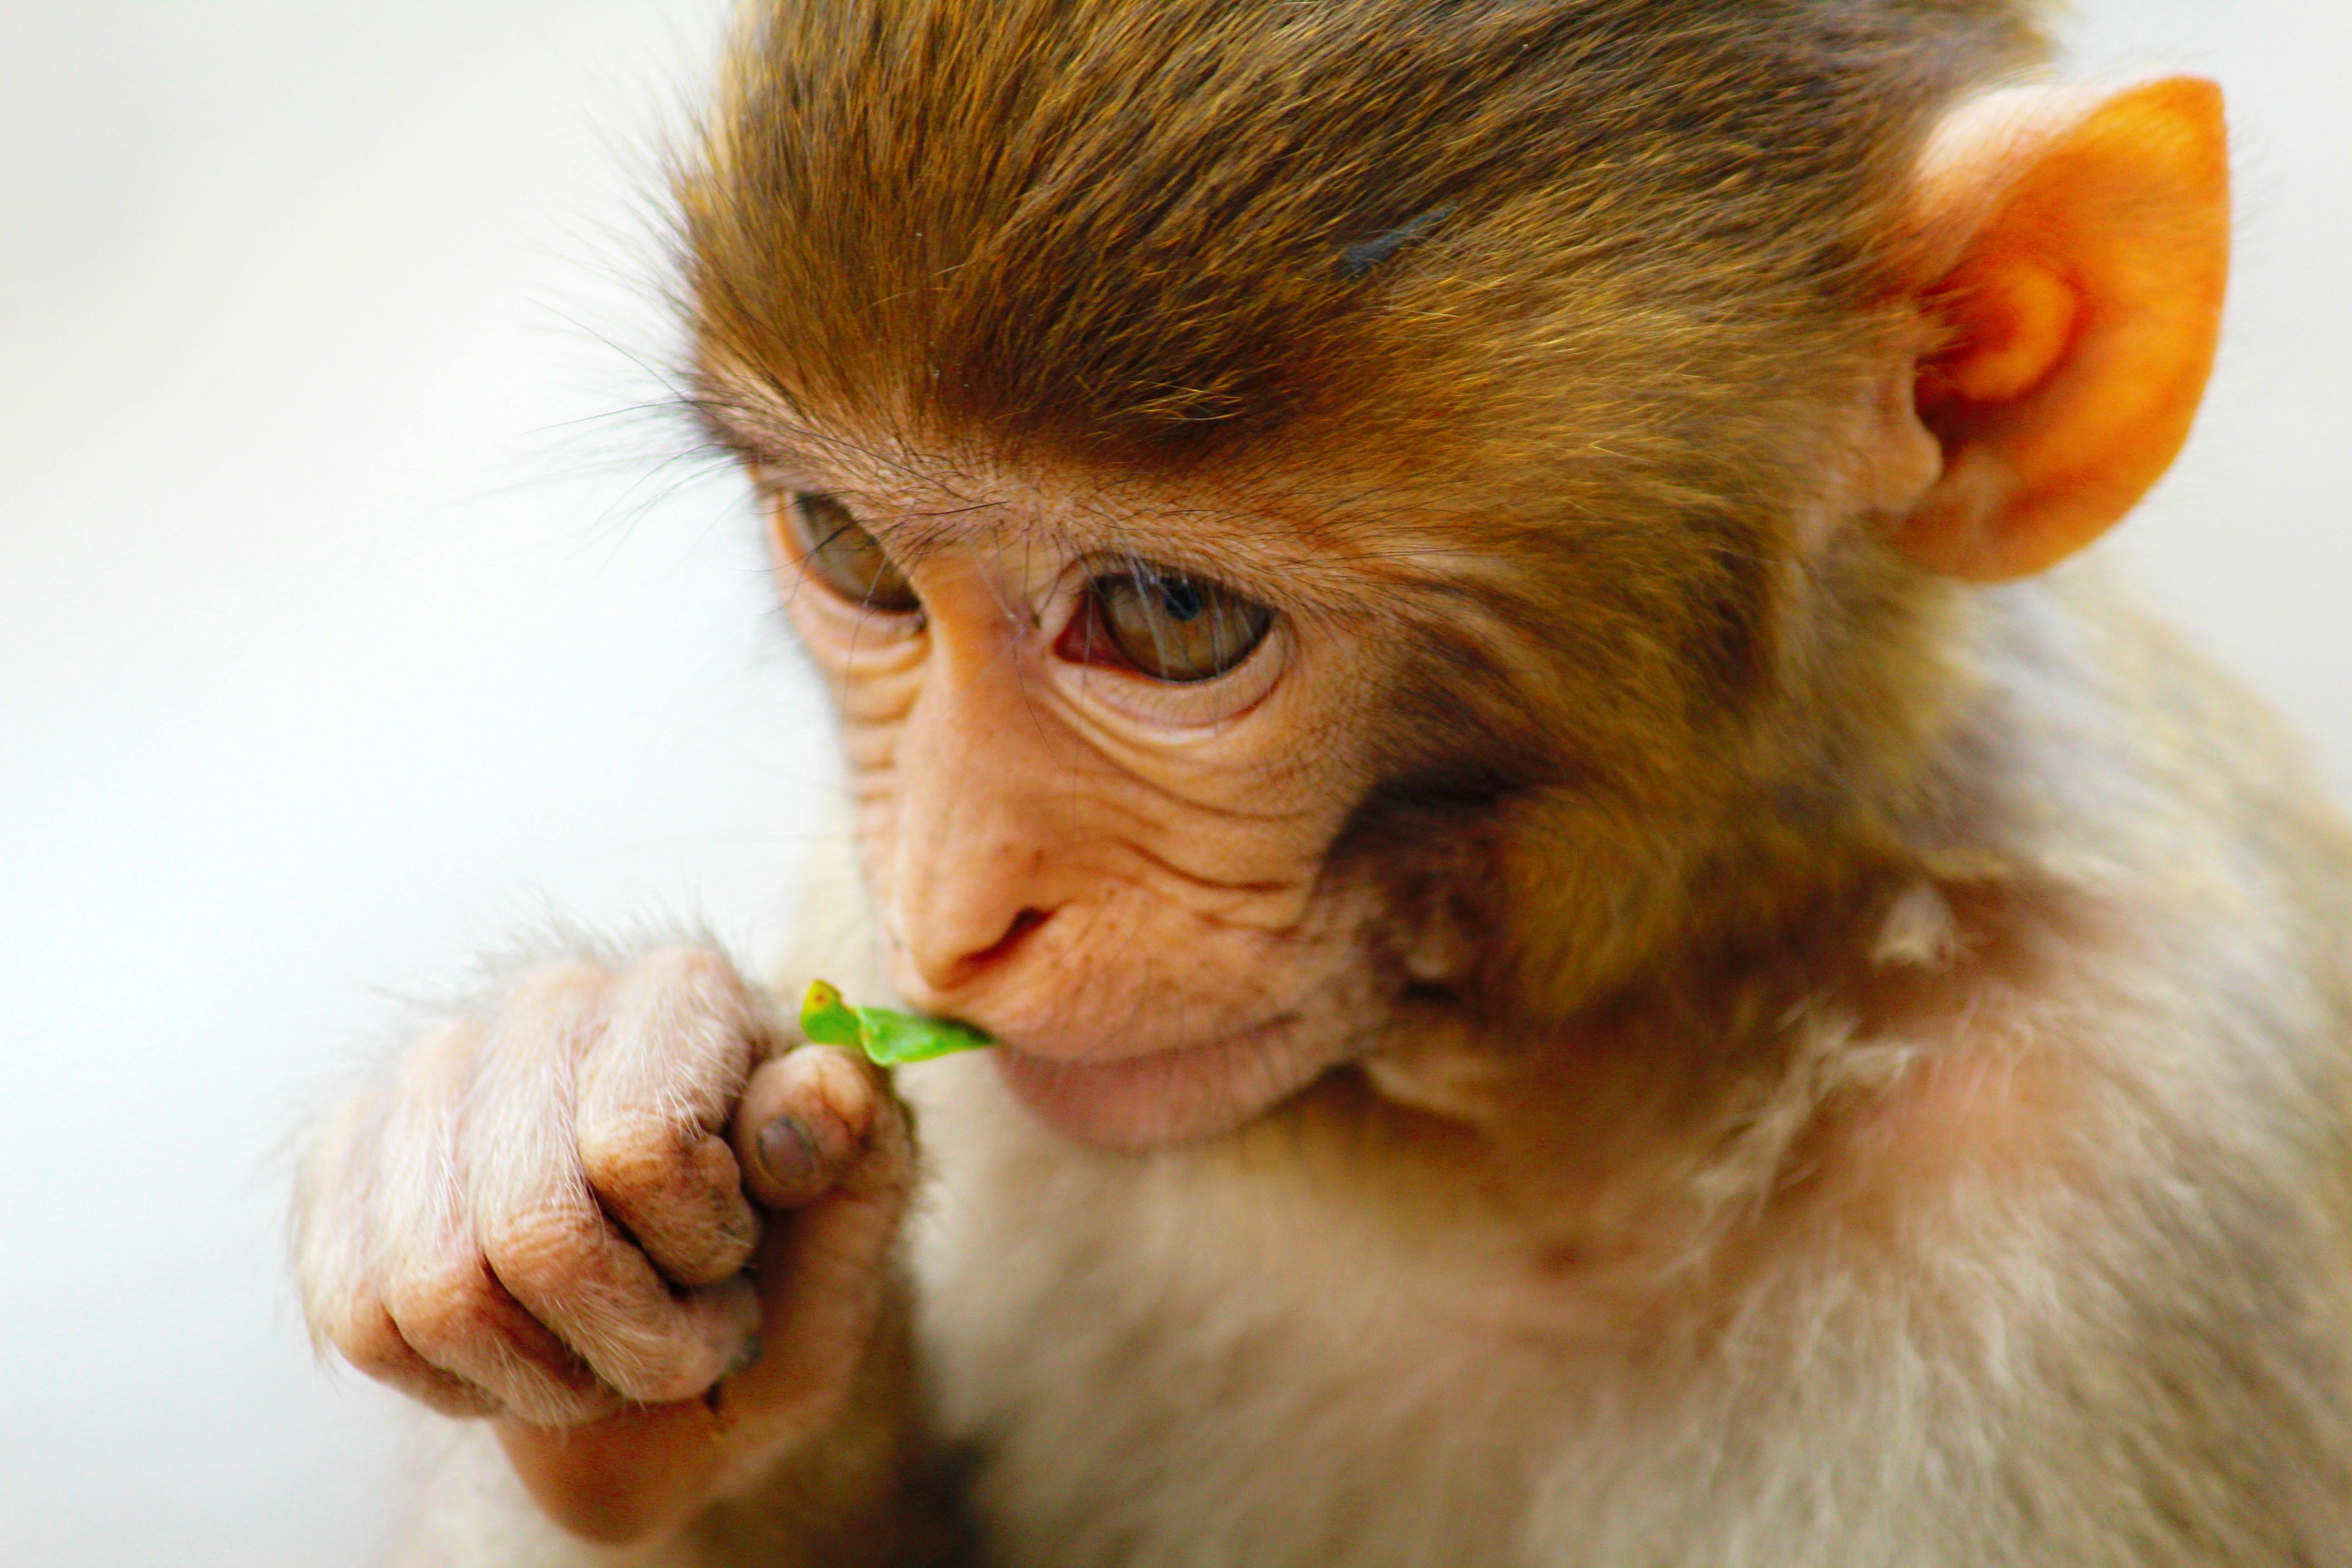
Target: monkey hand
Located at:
point(613, 1215)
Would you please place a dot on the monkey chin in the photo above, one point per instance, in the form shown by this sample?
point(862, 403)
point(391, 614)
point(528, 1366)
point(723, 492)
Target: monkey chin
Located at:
point(1155, 1101)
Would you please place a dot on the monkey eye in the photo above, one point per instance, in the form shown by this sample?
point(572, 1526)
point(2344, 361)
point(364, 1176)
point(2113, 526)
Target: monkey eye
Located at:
point(841, 553)
point(1165, 625)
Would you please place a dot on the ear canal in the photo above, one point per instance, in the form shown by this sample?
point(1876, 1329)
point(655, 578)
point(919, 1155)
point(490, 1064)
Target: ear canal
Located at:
point(2082, 251)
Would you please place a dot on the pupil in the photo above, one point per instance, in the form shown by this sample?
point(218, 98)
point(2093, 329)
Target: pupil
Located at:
point(1181, 598)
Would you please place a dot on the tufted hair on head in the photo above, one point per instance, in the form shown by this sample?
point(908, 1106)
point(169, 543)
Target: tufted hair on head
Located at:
point(1156, 233)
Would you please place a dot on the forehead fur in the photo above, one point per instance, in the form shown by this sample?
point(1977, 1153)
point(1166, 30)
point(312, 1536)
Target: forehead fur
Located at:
point(1148, 233)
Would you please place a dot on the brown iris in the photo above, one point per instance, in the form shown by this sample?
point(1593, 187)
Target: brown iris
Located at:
point(839, 551)
point(1168, 625)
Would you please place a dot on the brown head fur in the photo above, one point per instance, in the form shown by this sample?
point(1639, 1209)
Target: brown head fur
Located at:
point(1541, 313)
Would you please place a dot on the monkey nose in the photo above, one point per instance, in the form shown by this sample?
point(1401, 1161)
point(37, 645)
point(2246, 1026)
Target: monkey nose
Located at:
point(951, 959)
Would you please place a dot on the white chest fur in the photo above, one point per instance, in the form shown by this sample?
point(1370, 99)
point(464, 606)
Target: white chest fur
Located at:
point(1222, 1358)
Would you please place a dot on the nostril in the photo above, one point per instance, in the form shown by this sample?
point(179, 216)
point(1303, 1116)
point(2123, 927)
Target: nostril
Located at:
point(1014, 934)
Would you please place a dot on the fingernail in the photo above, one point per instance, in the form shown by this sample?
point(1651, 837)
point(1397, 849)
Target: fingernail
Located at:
point(790, 1152)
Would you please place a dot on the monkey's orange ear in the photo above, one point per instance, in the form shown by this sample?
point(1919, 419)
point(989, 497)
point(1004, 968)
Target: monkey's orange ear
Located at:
point(2076, 248)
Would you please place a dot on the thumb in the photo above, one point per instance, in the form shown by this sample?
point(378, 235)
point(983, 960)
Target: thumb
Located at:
point(823, 1137)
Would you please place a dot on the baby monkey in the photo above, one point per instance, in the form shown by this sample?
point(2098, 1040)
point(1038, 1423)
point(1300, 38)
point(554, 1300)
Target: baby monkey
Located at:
point(1444, 621)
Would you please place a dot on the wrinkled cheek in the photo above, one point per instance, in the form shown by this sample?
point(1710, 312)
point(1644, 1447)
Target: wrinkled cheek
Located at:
point(878, 701)
point(874, 826)
point(1143, 970)
point(870, 753)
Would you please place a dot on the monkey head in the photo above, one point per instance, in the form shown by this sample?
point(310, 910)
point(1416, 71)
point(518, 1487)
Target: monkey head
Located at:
point(1339, 527)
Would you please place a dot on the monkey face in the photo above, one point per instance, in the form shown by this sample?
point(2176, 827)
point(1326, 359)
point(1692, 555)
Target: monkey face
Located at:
point(1099, 769)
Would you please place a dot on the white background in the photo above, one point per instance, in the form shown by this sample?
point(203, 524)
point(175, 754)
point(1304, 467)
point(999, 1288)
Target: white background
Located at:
point(350, 618)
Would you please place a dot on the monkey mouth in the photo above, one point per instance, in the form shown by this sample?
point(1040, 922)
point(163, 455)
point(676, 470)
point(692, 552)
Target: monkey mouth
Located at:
point(1180, 1094)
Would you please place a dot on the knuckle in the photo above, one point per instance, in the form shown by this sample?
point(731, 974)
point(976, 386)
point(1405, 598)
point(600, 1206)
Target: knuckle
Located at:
point(707, 1176)
point(446, 1307)
point(541, 1252)
point(372, 1342)
point(668, 1385)
point(441, 1056)
point(697, 970)
point(844, 1087)
point(638, 1153)
point(628, 1152)
point(649, 1367)
point(686, 1008)
point(687, 1211)
point(657, 1368)
point(552, 987)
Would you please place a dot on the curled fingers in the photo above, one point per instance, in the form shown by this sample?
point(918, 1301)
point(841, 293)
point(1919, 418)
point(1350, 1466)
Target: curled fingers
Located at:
point(439, 1287)
point(541, 1228)
point(342, 1297)
point(655, 1093)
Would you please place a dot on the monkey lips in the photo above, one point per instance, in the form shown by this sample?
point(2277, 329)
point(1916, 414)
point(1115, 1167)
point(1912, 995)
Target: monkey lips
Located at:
point(1153, 1099)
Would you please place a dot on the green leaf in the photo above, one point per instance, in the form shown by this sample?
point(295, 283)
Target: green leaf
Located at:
point(887, 1038)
